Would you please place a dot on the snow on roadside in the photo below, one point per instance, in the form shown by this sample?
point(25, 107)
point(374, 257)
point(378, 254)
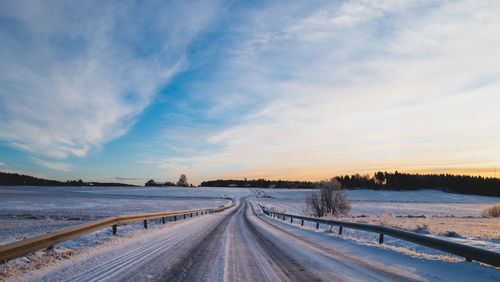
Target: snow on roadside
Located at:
point(426, 262)
point(83, 246)
point(31, 211)
point(454, 217)
point(377, 202)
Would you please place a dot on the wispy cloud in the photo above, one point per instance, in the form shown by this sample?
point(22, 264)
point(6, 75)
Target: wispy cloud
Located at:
point(2, 164)
point(358, 84)
point(60, 166)
point(39, 175)
point(76, 75)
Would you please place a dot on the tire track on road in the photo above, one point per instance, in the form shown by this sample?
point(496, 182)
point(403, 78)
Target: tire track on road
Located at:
point(140, 255)
point(285, 266)
point(243, 262)
point(197, 264)
point(372, 271)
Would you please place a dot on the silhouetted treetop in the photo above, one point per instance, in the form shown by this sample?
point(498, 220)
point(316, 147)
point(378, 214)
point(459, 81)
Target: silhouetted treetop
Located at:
point(462, 184)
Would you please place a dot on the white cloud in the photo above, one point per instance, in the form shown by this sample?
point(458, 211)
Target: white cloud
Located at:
point(2, 164)
point(76, 75)
point(39, 175)
point(60, 166)
point(410, 84)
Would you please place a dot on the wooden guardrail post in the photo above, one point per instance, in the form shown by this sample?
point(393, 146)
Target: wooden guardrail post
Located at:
point(291, 219)
point(50, 248)
point(317, 225)
point(381, 238)
point(163, 220)
point(184, 216)
point(114, 229)
point(340, 230)
point(302, 224)
point(145, 224)
point(175, 218)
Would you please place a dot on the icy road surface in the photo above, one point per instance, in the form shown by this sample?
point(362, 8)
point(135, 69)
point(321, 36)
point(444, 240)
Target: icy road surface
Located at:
point(241, 244)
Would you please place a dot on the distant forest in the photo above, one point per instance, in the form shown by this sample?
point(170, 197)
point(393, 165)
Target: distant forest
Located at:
point(462, 184)
point(14, 179)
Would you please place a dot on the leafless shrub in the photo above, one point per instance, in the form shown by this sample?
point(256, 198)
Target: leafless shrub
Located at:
point(314, 205)
point(331, 199)
point(493, 211)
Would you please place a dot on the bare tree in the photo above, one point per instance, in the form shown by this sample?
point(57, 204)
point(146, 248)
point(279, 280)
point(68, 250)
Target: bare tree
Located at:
point(330, 199)
point(182, 181)
point(314, 205)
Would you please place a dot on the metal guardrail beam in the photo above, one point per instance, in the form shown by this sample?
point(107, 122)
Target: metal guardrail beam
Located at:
point(20, 248)
point(468, 252)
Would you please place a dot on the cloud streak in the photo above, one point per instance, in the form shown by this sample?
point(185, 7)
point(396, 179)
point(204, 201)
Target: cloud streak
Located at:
point(76, 75)
point(362, 85)
point(33, 174)
point(60, 166)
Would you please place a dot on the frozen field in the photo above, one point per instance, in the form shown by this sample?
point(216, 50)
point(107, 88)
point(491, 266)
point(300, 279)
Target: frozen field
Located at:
point(432, 212)
point(30, 211)
point(400, 203)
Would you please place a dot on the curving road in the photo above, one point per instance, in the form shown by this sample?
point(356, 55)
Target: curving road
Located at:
point(235, 245)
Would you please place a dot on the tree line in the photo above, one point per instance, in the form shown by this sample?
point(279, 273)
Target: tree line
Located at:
point(14, 179)
point(259, 183)
point(462, 184)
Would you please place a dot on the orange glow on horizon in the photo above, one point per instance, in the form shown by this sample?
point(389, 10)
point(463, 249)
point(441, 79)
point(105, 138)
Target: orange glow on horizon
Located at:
point(320, 173)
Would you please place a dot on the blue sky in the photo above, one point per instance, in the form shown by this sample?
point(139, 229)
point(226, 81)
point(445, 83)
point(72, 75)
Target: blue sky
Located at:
point(130, 90)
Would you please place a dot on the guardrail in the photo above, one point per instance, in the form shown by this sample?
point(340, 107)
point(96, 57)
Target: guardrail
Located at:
point(468, 252)
point(21, 248)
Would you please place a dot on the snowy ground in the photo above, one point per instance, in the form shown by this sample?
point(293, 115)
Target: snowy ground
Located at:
point(31, 211)
point(454, 216)
point(420, 202)
point(242, 237)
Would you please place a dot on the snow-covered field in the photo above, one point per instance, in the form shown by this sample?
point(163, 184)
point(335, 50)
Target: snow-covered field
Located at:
point(454, 216)
point(31, 211)
point(402, 203)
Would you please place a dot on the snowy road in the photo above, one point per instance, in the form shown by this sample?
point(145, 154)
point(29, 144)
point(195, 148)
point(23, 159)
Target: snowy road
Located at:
point(236, 245)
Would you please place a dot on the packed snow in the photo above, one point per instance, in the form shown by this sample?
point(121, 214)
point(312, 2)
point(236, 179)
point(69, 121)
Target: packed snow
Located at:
point(455, 217)
point(30, 211)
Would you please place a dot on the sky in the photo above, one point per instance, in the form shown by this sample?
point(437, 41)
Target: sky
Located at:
point(126, 91)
